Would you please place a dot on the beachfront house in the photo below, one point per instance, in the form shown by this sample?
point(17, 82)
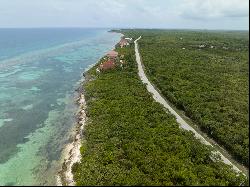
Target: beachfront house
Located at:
point(123, 43)
point(107, 65)
point(112, 55)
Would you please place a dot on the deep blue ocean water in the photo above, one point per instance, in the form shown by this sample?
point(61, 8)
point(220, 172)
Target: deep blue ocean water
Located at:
point(39, 72)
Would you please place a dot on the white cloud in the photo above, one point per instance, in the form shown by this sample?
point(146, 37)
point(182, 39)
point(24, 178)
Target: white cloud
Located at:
point(125, 13)
point(209, 9)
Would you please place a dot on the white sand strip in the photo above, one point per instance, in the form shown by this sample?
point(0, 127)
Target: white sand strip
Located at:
point(72, 150)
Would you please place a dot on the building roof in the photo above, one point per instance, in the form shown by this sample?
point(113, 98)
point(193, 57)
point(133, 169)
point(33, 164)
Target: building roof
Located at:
point(129, 38)
point(123, 42)
point(112, 54)
point(107, 65)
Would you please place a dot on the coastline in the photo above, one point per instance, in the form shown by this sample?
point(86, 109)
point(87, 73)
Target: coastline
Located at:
point(71, 153)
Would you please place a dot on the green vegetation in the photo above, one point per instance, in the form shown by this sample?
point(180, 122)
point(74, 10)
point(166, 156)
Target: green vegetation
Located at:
point(129, 139)
point(204, 74)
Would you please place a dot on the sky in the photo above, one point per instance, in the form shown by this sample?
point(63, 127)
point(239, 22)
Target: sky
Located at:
point(171, 14)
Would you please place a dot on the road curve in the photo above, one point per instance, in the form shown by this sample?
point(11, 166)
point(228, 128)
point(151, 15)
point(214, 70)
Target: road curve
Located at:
point(158, 98)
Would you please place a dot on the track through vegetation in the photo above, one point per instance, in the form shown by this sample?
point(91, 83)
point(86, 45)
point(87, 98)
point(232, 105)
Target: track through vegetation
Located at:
point(129, 139)
point(205, 74)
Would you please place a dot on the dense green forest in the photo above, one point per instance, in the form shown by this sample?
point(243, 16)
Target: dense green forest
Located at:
point(129, 139)
point(204, 74)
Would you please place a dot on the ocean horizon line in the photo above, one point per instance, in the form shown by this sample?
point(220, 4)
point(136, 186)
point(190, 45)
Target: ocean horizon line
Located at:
point(114, 28)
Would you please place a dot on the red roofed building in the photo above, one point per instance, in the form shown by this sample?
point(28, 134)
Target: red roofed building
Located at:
point(112, 54)
point(107, 65)
point(123, 43)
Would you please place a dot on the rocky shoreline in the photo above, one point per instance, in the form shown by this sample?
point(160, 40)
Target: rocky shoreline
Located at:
point(72, 153)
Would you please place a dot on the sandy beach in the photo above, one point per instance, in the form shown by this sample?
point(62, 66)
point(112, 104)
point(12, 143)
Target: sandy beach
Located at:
point(72, 151)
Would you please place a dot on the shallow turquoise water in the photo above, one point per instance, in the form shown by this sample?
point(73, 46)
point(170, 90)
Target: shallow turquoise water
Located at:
point(36, 97)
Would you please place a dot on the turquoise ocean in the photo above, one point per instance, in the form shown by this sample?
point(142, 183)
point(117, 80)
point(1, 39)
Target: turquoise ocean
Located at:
point(40, 70)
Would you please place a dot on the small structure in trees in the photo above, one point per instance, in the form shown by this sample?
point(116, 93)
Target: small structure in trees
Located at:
point(107, 65)
point(129, 39)
point(123, 43)
point(112, 55)
point(122, 57)
point(98, 70)
point(202, 46)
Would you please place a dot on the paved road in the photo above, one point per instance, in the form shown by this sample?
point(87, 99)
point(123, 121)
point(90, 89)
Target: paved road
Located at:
point(158, 98)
